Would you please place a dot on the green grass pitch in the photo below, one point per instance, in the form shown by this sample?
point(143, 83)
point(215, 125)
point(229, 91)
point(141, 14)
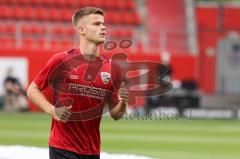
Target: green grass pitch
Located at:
point(163, 139)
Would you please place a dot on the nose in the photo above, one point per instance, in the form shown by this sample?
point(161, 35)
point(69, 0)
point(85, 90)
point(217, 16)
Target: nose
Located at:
point(103, 27)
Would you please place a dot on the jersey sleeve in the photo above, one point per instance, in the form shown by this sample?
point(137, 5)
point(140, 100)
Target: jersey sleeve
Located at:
point(116, 82)
point(41, 79)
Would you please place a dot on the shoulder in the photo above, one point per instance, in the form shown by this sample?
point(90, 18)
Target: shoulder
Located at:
point(61, 56)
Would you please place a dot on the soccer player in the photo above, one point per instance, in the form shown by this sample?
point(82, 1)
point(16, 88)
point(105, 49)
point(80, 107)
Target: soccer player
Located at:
point(88, 87)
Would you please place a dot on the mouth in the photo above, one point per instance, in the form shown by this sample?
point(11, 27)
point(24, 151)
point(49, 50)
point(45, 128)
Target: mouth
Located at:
point(102, 34)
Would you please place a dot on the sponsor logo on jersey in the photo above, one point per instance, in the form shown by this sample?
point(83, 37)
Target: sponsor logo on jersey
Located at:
point(74, 77)
point(89, 91)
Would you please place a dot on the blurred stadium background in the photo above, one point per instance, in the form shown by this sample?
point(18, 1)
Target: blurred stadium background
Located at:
point(199, 40)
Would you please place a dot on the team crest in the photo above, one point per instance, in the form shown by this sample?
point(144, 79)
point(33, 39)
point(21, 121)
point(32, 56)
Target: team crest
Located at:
point(105, 77)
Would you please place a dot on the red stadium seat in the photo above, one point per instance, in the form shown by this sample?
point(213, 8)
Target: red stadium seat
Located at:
point(9, 28)
point(34, 43)
point(11, 2)
point(130, 18)
point(119, 33)
point(119, 4)
point(54, 14)
point(129, 4)
point(136, 18)
point(7, 43)
point(73, 3)
point(42, 43)
point(127, 18)
point(58, 31)
point(6, 12)
point(19, 14)
point(29, 43)
point(34, 29)
point(84, 3)
point(96, 3)
point(41, 13)
point(108, 3)
point(23, 2)
point(60, 3)
point(66, 15)
point(61, 44)
point(49, 2)
point(69, 31)
point(4, 1)
point(39, 29)
point(113, 17)
point(29, 13)
point(123, 33)
point(37, 2)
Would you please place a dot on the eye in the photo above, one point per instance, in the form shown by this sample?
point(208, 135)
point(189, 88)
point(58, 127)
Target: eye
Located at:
point(97, 23)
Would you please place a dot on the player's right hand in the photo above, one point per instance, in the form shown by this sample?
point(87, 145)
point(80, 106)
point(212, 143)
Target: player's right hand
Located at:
point(62, 113)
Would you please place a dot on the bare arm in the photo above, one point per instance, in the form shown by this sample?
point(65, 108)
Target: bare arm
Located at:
point(38, 98)
point(118, 111)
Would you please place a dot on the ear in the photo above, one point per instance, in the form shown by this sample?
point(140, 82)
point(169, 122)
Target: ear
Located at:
point(80, 30)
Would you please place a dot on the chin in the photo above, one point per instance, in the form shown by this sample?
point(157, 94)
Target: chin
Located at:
point(100, 41)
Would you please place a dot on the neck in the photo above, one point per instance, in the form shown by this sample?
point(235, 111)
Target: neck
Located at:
point(89, 50)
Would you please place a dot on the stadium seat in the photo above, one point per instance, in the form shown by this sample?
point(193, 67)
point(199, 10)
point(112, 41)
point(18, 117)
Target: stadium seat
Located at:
point(6, 12)
point(108, 4)
point(4, 1)
point(55, 14)
point(119, 4)
point(23, 2)
point(37, 2)
point(73, 3)
point(29, 43)
point(123, 33)
point(33, 29)
point(19, 14)
point(11, 2)
point(41, 14)
point(49, 2)
point(136, 19)
point(84, 3)
point(29, 13)
point(58, 31)
point(9, 28)
point(66, 15)
point(42, 43)
point(7, 42)
point(96, 3)
point(61, 44)
point(127, 18)
point(60, 3)
point(34, 43)
point(113, 17)
point(129, 4)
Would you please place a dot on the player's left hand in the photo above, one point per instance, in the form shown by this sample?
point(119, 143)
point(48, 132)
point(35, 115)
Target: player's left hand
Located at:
point(123, 93)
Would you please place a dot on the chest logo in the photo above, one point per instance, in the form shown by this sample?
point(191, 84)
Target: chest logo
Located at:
point(105, 76)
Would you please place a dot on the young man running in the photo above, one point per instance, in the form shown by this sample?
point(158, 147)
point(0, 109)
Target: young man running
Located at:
point(89, 85)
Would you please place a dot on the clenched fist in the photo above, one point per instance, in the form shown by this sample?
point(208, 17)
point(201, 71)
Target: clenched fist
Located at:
point(62, 114)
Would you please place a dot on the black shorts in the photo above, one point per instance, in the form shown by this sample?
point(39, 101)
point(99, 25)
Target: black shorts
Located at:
point(56, 153)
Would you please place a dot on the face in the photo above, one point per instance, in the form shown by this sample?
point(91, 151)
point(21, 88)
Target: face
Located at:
point(92, 27)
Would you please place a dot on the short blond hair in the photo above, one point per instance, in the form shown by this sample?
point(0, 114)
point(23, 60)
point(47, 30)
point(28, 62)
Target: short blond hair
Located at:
point(85, 11)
